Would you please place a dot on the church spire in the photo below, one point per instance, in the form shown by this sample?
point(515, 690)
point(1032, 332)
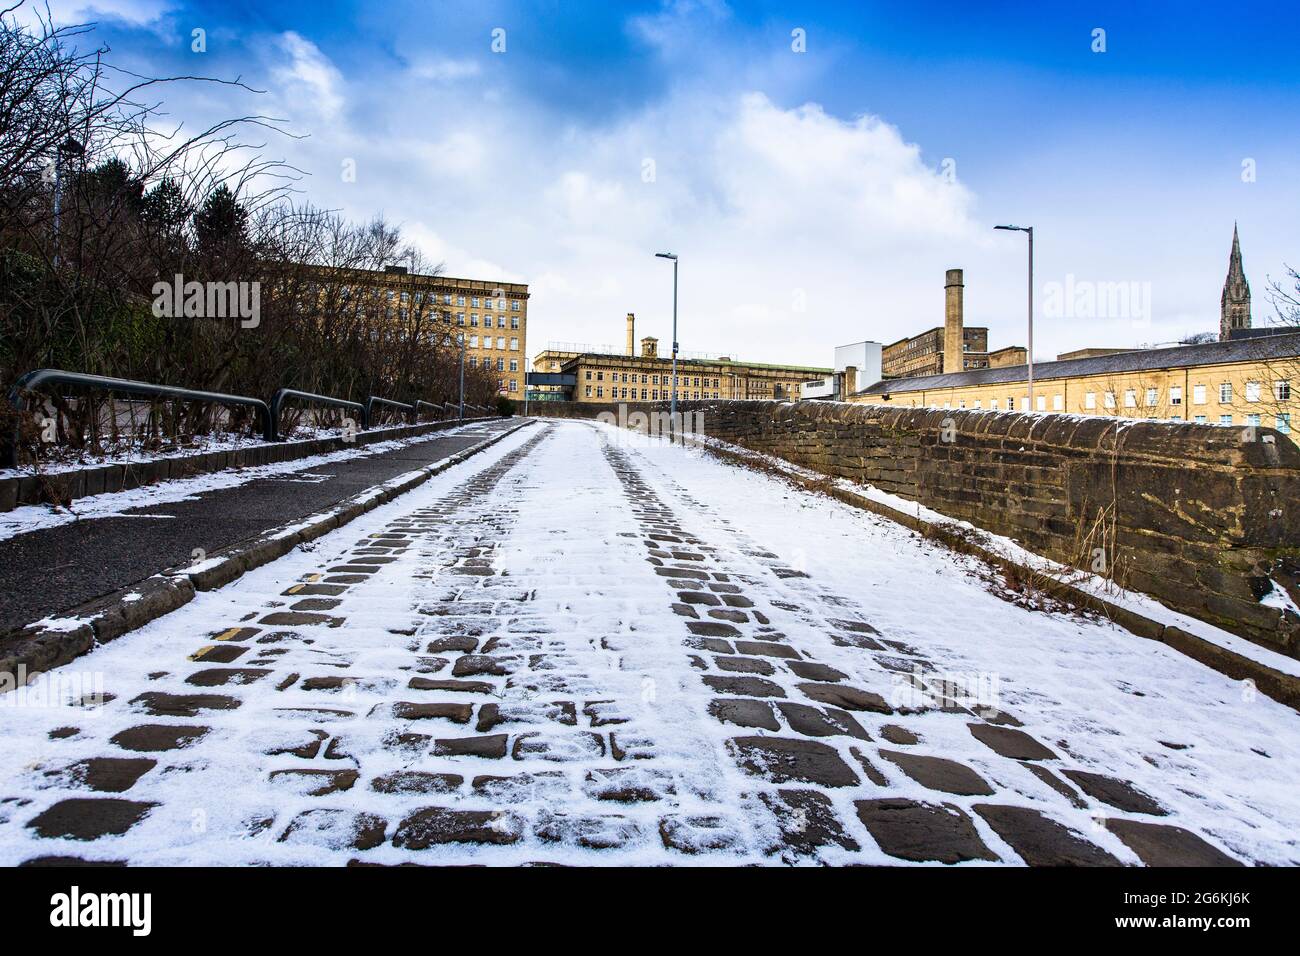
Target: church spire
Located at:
point(1234, 304)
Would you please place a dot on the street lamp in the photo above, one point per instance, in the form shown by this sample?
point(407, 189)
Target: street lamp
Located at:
point(1030, 231)
point(447, 341)
point(69, 147)
point(672, 407)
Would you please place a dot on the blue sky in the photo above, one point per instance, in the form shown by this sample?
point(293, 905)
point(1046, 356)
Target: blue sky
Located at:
point(815, 197)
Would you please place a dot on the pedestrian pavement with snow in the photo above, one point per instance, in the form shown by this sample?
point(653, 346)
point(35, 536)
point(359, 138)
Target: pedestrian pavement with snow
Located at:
point(588, 646)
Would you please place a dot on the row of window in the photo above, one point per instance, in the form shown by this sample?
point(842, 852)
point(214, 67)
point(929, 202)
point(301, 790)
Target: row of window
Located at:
point(487, 342)
point(501, 384)
point(1282, 421)
point(419, 298)
point(647, 394)
point(684, 381)
point(487, 320)
point(500, 363)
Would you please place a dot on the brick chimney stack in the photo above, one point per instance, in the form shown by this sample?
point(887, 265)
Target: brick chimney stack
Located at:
point(850, 382)
point(631, 333)
point(953, 351)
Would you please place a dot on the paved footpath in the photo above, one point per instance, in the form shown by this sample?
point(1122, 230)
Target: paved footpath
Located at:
point(52, 569)
point(556, 652)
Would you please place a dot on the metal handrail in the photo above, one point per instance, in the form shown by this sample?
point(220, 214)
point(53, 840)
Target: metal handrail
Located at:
point(417, 405)
point(44, 376)
point(374, 400)
point(277, 400)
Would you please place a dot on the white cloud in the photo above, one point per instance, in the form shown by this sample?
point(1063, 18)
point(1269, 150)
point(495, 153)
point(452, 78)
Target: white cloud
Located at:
point(446, 70)
point(138, 13)
point(769, 207)
point(309, 82)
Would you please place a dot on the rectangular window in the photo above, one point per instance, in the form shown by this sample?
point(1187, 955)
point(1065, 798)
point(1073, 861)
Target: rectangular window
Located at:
point(993, 404)
point(1153, 395)
point(1110, 399)
point(513, 383)
point(1175, 395)
point(1041, 402)
point(1252, 391)
point(1253, 420)
point(514, 321)
point(1058, 403)
point(514, 344)
point(1225, 419)
point(1225, 393)
point(1201, 419)
point(589, 391)
point(1090, 400)
point(1284, 423)
point(514, 305)
point(1282, 390)
point(600, 391)
point(1198, 394)
point(978, 404)
point(1130, 398)
point(514, 365)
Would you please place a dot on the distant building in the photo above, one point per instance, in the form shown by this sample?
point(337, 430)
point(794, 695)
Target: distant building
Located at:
point(492, 317)
point(1234, 304)
point(581, 373)
point(856, 366)
point(1011, 355)
point(1238, 382)
point(1089, 353)
point(952, 347)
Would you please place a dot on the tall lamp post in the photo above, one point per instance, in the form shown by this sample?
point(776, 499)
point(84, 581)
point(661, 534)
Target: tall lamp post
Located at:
point(69, 147)
point(1029, 230)
point(449, 340)
point(672, 407)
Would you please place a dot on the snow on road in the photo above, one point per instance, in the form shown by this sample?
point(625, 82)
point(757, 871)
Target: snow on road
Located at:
point(587, 646)
point(27, 518)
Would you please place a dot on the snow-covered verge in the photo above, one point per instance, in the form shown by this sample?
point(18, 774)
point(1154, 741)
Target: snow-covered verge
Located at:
point(1007, 548)
point(27, 518)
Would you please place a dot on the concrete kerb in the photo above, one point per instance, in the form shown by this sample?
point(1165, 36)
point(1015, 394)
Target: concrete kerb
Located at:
point(67, 636)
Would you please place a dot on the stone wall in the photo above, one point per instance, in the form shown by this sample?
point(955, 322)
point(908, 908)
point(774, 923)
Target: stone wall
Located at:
point(1198, 516)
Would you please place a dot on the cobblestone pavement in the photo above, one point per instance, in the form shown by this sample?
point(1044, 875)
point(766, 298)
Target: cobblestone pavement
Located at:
point(539, 657)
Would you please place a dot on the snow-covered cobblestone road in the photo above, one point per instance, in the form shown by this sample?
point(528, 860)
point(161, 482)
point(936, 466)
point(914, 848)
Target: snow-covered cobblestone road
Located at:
point(586, 646)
